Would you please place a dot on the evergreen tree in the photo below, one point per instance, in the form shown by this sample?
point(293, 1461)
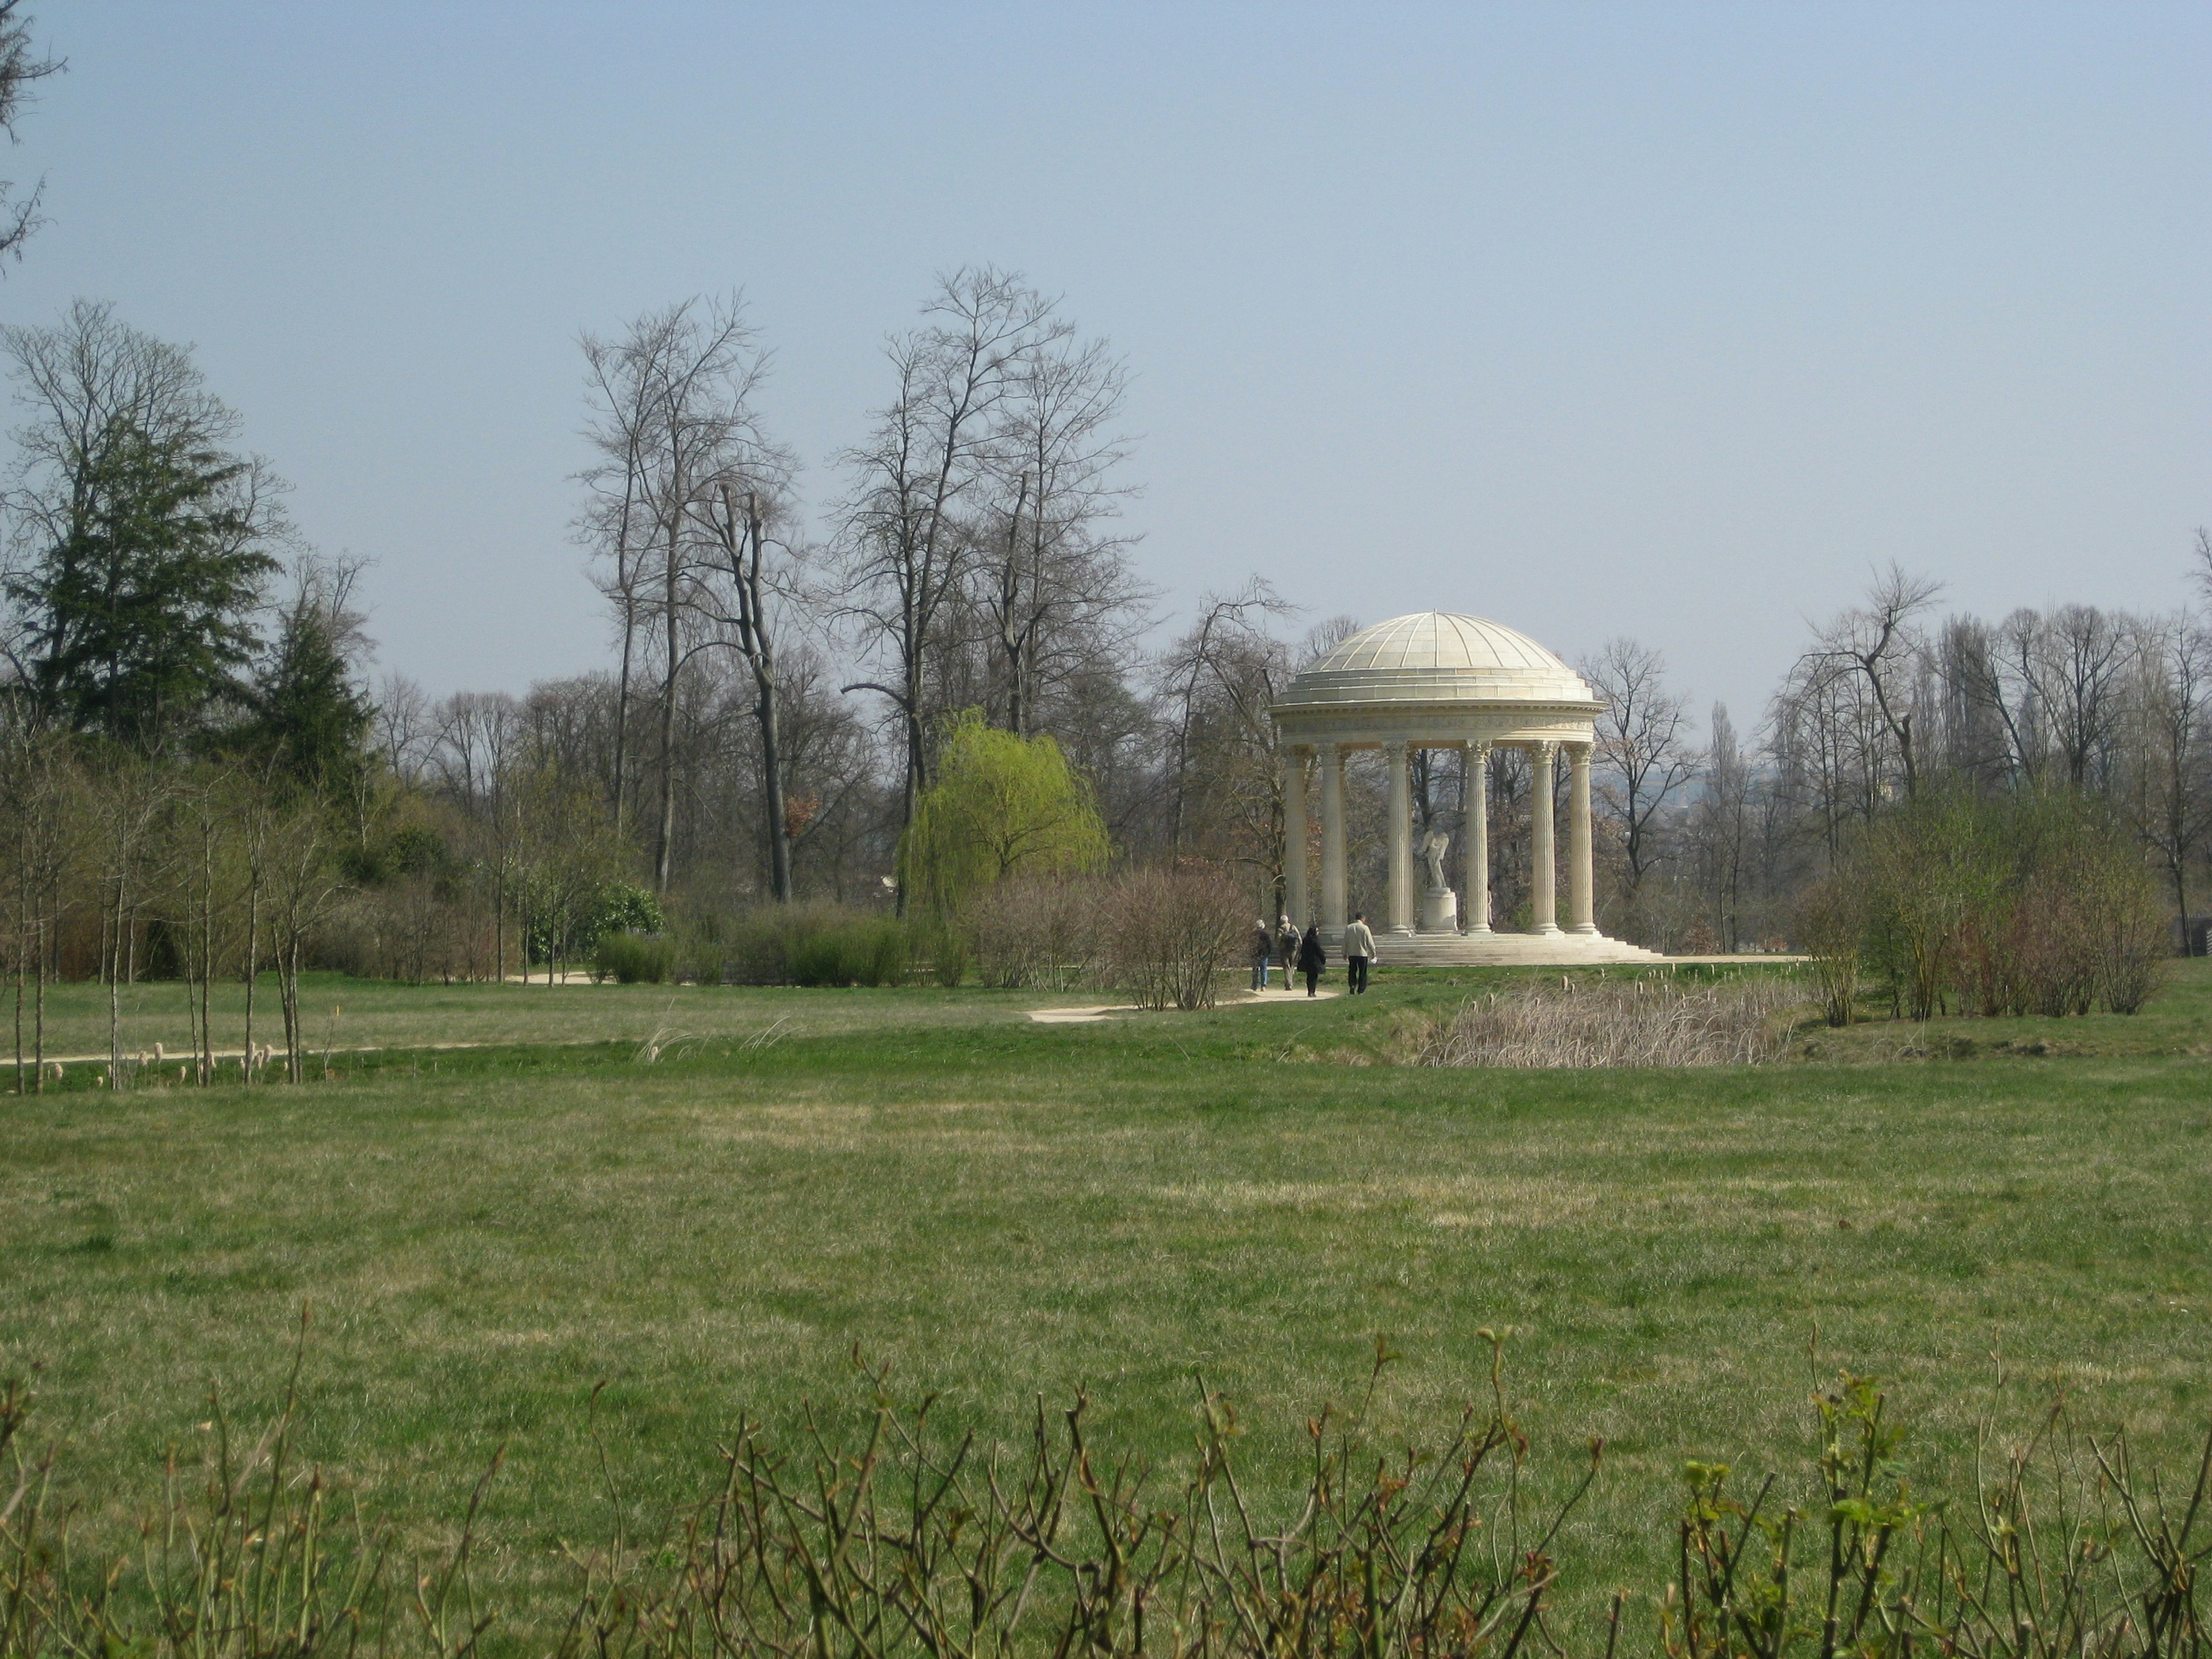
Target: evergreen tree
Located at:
point(309, 717)
point(139, 608)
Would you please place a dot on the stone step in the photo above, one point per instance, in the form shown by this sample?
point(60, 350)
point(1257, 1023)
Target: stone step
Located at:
point(1501, 950)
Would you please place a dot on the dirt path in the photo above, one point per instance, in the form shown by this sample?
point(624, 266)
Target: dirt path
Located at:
point(1091, 1014)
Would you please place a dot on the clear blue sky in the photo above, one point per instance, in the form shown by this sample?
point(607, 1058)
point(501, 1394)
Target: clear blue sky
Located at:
point(1663, 320)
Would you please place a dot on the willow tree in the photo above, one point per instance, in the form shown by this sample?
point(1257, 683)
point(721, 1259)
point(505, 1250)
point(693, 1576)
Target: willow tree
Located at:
point(1001, 805)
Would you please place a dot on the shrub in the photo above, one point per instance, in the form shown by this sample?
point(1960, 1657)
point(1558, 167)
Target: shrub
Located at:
point(1038, 933)
point(1635, 1022)
point(947, 948)
point(1169, 931)
point(1063, 1543)
point(814, 944)
point(2030, 905)
point(850, 951)
point(1832, 928)
point(2132, 939)
point(630, 959)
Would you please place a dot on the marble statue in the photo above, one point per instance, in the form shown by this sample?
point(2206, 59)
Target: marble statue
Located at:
point(1434, 846)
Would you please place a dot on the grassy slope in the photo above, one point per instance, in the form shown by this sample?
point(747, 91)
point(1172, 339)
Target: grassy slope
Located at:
point(993, 1208)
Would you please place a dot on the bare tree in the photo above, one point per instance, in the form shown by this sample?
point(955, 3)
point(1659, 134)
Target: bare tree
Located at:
point(1878, 644)
point(1055, 586)
point(475, 757)
point(41, 809)
point(126, 807)
point(673, 403)
point(2169, 799)
point(1643, 753)
point(1227, 665)
point(615, 524)
point(19, 70)
point(406, 729)
point(733, 517)
point(1720, 830)
point(304, 887)
point(2083, 671)
point(906, 529)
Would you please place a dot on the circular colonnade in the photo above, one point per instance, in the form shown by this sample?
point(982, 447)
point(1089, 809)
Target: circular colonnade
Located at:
point(1439, 680)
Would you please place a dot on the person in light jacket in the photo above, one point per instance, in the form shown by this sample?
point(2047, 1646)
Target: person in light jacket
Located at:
point(1263, 949)
point(1286, 948)
point(1359, 953)
point(1311, 957)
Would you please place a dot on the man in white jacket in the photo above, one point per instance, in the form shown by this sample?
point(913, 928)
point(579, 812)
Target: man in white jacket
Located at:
point(1358, 952)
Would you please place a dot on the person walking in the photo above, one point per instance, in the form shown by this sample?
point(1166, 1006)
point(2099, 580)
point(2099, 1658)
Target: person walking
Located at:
point(1263, 949)
point(1359, 953)
point(1311, 957)
point(1286, 948)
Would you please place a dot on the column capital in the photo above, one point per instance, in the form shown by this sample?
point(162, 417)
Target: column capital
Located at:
point(1478, 747)
point(1545, 748)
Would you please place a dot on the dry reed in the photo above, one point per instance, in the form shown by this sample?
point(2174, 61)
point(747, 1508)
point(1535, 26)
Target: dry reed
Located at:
point(1649, 1021)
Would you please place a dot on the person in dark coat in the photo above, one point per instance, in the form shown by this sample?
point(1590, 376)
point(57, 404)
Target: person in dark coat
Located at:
point(1311, 957)
point(1263, 950)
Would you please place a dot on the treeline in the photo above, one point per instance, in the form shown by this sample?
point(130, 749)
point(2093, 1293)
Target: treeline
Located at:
point(184, 677)
point(2098, 720)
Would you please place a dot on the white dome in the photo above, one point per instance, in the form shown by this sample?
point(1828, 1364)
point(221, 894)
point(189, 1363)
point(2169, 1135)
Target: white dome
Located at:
point(1436, 657)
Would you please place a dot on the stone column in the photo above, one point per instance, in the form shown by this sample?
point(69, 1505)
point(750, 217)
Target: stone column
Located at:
point(1401, 906)
point(1474, 796)
point(1543, 870)
point(1332, 841)
point(1582, 915)
point(1294, 836)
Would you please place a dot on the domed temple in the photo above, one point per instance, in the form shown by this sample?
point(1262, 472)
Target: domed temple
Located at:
point(1437, 680)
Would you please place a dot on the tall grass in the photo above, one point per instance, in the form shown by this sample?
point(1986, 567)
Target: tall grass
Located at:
point(914, 1538)
point(812, 944)
point(1644, 1021)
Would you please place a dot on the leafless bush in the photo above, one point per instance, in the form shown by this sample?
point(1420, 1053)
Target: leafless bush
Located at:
point(1039, 933)
point(1831, 928)
point(1637, 1022)
point(1169, 932)
point(2135, 948)
point(910, 1536)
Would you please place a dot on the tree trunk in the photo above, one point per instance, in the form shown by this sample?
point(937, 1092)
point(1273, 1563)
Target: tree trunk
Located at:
point(252, 962)
point(760, 653)
point(39, 1015)
point(288, 975)
point(779, 826)
point(621, 708)
point(1010, 628)
point(115, 994)
point(664, 842)
point(22, 967)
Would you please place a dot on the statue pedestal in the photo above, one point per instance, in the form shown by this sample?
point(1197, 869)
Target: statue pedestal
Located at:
point(1439, 911)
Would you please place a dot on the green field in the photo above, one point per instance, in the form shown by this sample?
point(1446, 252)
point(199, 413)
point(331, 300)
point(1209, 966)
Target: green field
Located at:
point(993, 1208)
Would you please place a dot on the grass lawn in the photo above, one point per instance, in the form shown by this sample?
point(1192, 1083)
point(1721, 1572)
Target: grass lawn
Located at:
point(994, 1208)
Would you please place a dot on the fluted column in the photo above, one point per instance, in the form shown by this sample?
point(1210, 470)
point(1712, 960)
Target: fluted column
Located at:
point(1543, 872)
point(1474, 833)
point(1294, 835)
point(1582, 912)
point(1332, 841)
point(1401, 906)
